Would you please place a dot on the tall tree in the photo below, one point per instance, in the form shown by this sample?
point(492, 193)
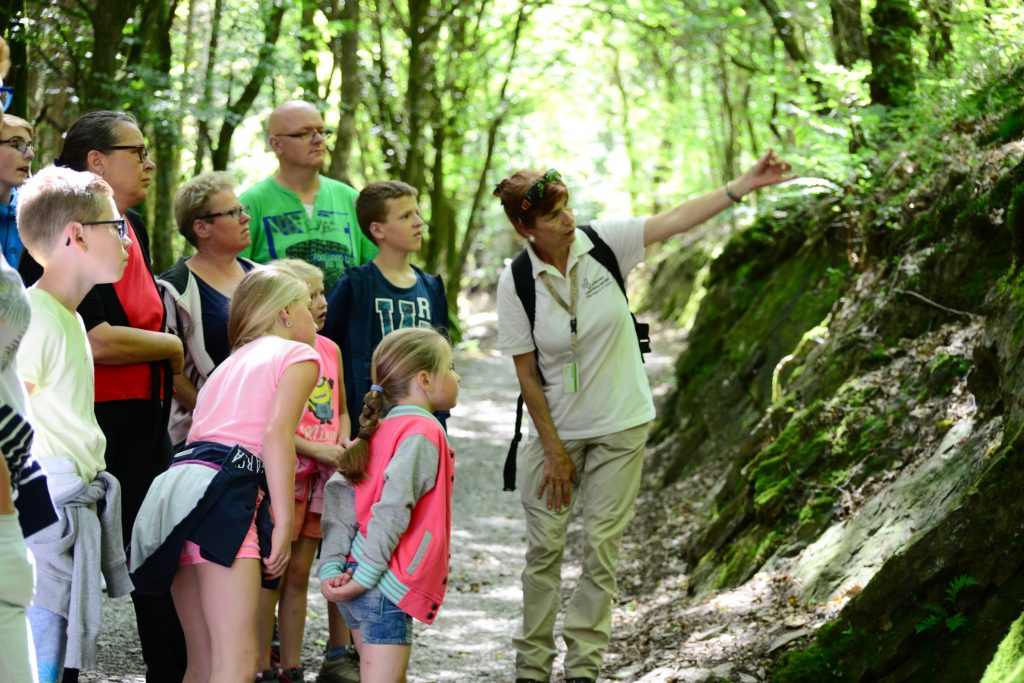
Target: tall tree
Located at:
point(236, 110)
point(345, 47)
point(848, 41)
point(204, 112)
point(166, 139)
point(890, 45)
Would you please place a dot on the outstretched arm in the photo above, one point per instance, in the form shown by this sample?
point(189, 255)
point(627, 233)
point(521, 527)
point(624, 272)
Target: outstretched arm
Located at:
point(769, 170)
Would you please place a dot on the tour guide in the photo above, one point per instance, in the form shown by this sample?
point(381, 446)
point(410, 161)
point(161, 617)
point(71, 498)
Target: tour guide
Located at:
point(591, 411)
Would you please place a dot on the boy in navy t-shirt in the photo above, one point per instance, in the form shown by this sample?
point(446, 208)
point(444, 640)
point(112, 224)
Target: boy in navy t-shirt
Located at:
point(386, 294)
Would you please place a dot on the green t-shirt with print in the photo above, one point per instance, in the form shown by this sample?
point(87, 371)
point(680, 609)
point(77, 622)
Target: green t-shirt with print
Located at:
point(281, 227)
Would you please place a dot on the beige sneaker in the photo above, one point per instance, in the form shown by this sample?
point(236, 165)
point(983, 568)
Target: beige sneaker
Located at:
point(343, 670)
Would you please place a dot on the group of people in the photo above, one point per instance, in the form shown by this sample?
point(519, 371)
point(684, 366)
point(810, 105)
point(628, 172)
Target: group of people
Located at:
point(281, 392)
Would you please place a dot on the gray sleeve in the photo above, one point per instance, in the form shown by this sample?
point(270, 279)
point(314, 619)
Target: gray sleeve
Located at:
point(338, 523)
point(411, 473)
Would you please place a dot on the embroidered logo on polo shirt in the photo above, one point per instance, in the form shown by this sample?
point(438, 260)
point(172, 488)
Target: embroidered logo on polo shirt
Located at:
point(592, 287)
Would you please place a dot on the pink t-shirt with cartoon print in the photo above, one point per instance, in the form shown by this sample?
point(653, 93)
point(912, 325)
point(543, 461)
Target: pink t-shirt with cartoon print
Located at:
point(320, 424)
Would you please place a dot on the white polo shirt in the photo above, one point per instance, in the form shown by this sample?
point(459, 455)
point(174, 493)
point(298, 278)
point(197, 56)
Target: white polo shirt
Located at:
point(614, 393)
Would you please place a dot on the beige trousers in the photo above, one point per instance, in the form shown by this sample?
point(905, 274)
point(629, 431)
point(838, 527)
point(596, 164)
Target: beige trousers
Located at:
point(608, 470)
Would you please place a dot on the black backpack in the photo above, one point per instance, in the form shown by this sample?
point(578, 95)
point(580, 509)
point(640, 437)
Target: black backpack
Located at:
point(522, 277)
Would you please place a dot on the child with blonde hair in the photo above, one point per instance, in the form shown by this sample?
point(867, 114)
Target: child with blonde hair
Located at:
point(387, 522)
point(319, 445)
point(205, 524)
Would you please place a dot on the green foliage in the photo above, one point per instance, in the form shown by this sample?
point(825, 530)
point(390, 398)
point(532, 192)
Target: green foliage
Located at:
point(1007, 666)
point(837, 645)
point(940, 615)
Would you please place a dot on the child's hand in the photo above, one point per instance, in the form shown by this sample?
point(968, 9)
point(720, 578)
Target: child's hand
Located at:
point(280, 552)
point(330, 454)
point(341, 588)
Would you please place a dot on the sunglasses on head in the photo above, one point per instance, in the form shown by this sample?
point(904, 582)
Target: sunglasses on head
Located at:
point(537, 190)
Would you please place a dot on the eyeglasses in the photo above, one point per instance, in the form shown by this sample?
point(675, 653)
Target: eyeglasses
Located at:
point(21, 145)
point(235, 213)
point(138, 149)
point(537, 190)
point(117, 223)
point(307, 135)
point(6, 96)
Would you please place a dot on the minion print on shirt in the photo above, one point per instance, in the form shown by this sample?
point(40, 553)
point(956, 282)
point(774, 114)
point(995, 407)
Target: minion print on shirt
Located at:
point(321, 401)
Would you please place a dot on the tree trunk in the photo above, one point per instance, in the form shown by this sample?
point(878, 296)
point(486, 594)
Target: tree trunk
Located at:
point(890, 47)
point(385, 119)
point(108, 20)
point(307, 45)
point(440, 223)
point(237, 110)
point(848, 41)
point(729, 142)
point(416, 94)
point(346, 55)
point(204, 140)
point(627, 129)
point(940, 32)
point(454, 284)
point(166, 134)
point(786, 33)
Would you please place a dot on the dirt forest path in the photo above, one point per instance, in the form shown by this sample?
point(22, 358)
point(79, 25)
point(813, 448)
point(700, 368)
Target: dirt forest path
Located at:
point(471, 640)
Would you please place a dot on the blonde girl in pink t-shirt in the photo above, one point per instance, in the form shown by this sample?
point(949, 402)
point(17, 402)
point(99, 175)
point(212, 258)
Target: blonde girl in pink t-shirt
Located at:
point(254, 399)
point(319, 445)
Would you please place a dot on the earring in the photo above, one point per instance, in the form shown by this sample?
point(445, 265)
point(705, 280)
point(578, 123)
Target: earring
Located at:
point(287, 323)
point(532, 239)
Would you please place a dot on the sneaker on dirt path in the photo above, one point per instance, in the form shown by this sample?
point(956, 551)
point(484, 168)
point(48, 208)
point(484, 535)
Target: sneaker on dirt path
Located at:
point(342, 670)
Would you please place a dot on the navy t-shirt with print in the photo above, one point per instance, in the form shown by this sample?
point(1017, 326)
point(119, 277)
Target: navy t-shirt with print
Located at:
point(395, 308)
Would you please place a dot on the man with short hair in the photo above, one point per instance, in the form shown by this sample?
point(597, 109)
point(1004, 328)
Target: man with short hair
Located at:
point(300, 213)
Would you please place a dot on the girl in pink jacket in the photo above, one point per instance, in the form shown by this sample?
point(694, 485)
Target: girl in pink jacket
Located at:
point(386, 534)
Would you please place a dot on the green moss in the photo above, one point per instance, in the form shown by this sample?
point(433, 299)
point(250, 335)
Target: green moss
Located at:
point(1007, 666)
point(741, 559)
point(827, 658)
point(775, 469)
point(1010, 128)
point(945, 370)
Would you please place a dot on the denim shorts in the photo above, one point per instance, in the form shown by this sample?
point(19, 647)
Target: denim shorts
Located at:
point(378, 620)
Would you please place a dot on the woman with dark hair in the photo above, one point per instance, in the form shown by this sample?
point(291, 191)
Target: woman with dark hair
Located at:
point(581, 375)
point(135, 360)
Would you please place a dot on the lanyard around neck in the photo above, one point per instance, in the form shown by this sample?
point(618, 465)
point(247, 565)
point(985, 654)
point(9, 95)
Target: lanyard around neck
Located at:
point(570, 307)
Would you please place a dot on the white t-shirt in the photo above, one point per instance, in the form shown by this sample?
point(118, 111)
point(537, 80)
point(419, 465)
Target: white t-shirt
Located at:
point(614, 393)
point(56, 358)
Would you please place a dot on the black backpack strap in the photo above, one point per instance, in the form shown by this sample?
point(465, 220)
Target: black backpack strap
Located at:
point(603, 254)
point(522, 278)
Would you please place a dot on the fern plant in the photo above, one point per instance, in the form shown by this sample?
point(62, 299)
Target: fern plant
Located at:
point(940, 615)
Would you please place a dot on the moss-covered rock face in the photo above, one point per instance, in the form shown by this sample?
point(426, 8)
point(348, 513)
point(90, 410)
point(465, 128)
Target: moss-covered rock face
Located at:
point(865, 424)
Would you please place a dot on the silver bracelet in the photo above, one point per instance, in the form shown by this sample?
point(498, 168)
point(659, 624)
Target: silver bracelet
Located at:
point(734, 198)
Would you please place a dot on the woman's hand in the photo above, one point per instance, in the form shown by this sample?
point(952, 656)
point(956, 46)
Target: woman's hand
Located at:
point(559, 477)
point(280, 551)
point(341, 588)
point(769, 170)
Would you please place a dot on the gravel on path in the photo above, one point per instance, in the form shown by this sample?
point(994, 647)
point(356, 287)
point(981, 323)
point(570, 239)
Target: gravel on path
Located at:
point(471, 639)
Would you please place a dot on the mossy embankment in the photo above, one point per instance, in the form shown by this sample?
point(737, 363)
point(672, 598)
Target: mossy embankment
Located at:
point(850, 402)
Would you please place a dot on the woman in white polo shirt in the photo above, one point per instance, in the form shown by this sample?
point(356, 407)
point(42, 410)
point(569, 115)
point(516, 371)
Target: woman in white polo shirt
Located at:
point(591, 412)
